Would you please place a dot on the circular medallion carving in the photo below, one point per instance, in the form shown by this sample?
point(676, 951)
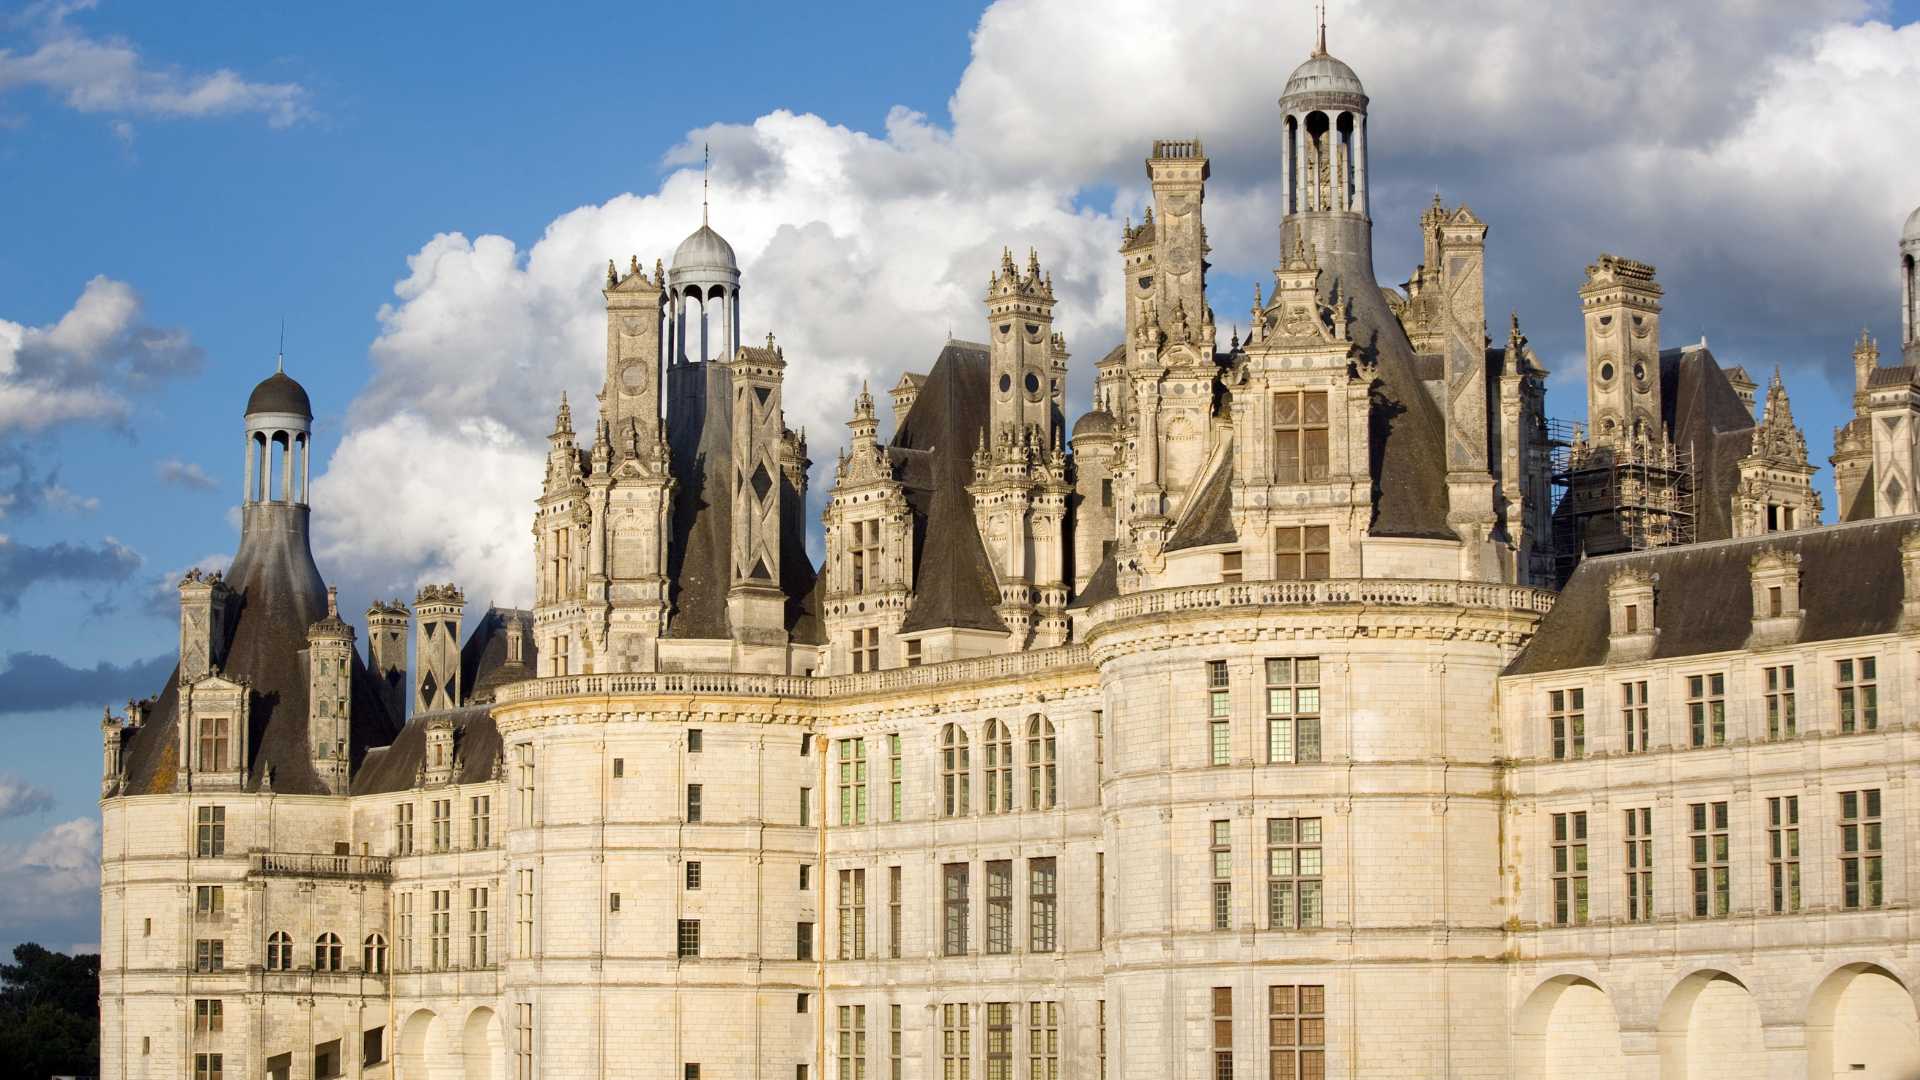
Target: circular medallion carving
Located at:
point(633, 326)
point(633, 378)
point(1181, 256)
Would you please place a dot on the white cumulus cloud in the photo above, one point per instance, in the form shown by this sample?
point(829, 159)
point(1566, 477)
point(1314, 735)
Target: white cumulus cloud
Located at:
point(1749, 147)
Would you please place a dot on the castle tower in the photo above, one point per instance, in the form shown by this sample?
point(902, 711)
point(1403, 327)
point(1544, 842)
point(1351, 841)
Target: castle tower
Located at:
point(1852, 458)
point(330, 695)
point(756, 606)
point(1323, 160)
point(1910, 289)
point(437, 612)
point(387, 653)
point(870, 564)
point(1022, 346)
point(1621, 303)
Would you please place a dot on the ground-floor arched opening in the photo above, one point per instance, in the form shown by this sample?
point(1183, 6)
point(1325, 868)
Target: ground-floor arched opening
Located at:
point(1567, 1030)
point(1862, 1025)
point(1710, 1027)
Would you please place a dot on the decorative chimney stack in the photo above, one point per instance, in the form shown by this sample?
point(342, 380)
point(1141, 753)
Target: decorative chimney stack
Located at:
point(437, 611)
point(330, 695)
point(387, 654)
point(203, 624)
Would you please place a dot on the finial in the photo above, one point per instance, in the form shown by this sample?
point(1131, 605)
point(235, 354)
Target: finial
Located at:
point(613, 276)
point(706, 158)
point(280, 361)
point(1320, 43)
point(333, 602)
point(633, 264)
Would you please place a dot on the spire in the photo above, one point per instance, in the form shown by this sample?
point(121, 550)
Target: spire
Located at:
point(280, 361)
point(1320, 43)
point(706, 158)
point(563, 421)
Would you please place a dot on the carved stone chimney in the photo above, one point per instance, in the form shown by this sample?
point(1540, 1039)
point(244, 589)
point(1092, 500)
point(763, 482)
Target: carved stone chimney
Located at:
point(1910, 572)
point(203, 624)
point(387, 654)
point(1631, 635)
point(437, 612)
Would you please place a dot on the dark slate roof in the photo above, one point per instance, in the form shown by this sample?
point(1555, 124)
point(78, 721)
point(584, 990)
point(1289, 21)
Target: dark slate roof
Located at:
point(484, 666)
point(1891, 376)
point(1850, 585)
point(277, 595)
point(1208, 519)
point(954, 584)
point(1409, 463)
point(699, 553)
point(1103, 585)
point(476, 746)
point(1706, 415)
point(279, 393)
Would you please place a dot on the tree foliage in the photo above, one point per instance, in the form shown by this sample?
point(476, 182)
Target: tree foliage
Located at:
point(49, 1014)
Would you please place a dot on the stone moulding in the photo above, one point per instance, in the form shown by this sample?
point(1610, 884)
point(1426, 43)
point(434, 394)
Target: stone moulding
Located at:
point(1369, 592)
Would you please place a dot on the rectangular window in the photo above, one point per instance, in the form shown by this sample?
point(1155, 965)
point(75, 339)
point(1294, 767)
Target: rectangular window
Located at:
point(893, 911)
point(1783, 852)
point(1231, 566)
point(896, 1044)
point(523, 915)
point(853, 781)
point(403, 829)
point(1293, 873)
point(1302, 552)
point(1222, 1033)
point(209, 900)
point(806, 876)
point(1567, 718)
point(693, 803)
point(1781, 722)
point(1712, 875)
point(373, 1046)
point(1300, 437)
point(896, 776)
point(1100, 896)
point(1043, 1040)
point(1861, 883)
point(1707, 709)
point(479, 900)
point(956, 771)
point(913, 652)
point(1639, 844)
point(523, 783)
point(693, 875)
point(523, 1041)
point(442, 824)
point(1043, 905)
point(1103, 1039)
point(209, 954)
point(1220, 855)
point(687, 942)
point(803, 941)
point(613, 902)
point(210, 831)
point(213, 744)
point(806, 806)
point(853, 914)
point(208, 1016)
point(207, 1067)
point(999, 906)
point(1297, 1032)
point(403, 946)
point(853, 1042)
point(696, 740)
point(1633, 716)
point(1293, 710)
point(440, 929)
point(956, 1042)
point(954, 917)
point(1219, 714)
point(480, 821)
point(1857, 682)
point(327, 1061)
point(999, 1040)
point(866, 650)
point(1570, 869)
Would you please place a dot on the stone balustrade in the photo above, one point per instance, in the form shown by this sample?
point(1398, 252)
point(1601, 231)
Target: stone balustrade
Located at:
point(1365, 592)
point(312, 864)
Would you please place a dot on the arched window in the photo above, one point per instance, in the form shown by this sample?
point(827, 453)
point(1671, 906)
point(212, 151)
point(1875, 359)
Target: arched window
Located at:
point(326, 952)
point(999, 746)
point(279, 951)
point(956, 772)
point(1042, 789)
point(373, 956)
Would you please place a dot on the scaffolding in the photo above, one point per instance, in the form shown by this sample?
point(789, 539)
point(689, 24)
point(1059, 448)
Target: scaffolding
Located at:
point(1613, 497)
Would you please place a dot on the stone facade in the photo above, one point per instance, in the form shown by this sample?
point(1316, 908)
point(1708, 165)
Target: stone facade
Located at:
point(1284, 716)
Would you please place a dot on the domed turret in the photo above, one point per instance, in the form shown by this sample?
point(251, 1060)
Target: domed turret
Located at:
point(1324, 166)
point(279, 393)
point(705, 250)
point(1324, 74)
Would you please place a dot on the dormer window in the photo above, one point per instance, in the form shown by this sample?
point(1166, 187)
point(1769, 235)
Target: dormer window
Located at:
point(1632, 618)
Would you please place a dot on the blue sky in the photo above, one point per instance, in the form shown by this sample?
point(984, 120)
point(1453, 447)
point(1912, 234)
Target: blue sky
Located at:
point(424, 195)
